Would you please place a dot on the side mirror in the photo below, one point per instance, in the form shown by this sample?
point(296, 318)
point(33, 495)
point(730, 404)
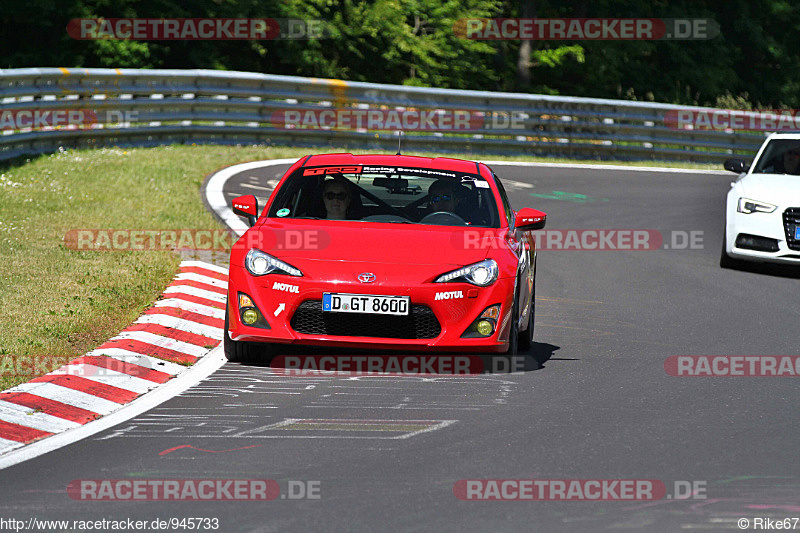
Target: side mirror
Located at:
point(736, 165)
point(246, 206)
point(530, 219)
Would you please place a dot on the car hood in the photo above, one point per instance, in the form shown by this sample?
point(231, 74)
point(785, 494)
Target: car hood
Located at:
point(778, 189)
point(367, 242)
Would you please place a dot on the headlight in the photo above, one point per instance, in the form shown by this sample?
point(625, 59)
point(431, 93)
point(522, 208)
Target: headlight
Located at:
point(259, 263)
point(481, 274)
point(746, 205)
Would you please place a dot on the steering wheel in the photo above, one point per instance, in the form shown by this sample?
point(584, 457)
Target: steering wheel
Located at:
point(443, 218)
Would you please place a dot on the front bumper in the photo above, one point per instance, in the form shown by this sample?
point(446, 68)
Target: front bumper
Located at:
point(288, 304)
point(777, 227)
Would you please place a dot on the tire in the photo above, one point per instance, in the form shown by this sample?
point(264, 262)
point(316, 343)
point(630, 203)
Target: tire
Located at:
point(726, 261)
point(513, 336)
point(244, 352)
point(525, 340)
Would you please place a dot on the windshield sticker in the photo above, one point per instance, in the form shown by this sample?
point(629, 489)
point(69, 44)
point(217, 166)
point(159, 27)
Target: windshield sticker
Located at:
point(380, 170)
point(321, 171)
point(409, 171)
point(476, 181)
point(282, 212)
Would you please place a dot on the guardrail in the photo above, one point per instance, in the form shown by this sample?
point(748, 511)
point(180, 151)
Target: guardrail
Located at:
point(153, 107)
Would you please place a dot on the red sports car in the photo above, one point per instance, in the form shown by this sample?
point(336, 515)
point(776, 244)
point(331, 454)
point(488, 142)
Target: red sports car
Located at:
point(383, 251)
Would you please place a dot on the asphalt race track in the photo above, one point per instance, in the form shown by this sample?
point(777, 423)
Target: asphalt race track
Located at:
point(384, 453)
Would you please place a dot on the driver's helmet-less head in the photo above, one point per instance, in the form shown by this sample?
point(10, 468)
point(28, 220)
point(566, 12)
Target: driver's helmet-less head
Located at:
point(443, 195)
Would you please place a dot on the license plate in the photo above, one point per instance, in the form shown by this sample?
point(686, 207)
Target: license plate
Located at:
point(797, 232)
point(365, 303)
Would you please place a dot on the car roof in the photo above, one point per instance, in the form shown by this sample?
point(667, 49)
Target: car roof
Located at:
point(776, 135)
point(440, 163)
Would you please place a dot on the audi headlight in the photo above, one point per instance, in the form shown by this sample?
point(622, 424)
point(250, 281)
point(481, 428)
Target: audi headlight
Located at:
point(746, 205)
point(482, 274)
point(259, 263)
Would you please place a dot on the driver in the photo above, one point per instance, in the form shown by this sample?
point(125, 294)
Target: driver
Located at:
point(786, 163)
point(443, 195)
point(791, 160)
point(337, 197)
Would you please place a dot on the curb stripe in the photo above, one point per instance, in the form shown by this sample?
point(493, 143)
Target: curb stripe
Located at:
point(205, 266)
point(124, 367)
point(193, 291)
point(8, 445)
point(205, 272)
point(216, 304)
point(31, 418)
point(202, 310)
point(162, 342)
point(199, 285)
point(188, 276)
point(19, 433)
point(150, 349)
point(81, 384)
point(188, 315)
point(51, 407)
point(166, 331)
point(105, 376)
point(134, 358)
point(188, 326)
point(71, 397)
point(180, 328)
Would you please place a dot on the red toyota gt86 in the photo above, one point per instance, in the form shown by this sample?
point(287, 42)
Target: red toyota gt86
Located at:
point(383, 251)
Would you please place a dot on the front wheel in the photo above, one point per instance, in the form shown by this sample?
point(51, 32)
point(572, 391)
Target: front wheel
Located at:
point(726, 261)
point(526, 337)
point(242, 352)
point(513, 335)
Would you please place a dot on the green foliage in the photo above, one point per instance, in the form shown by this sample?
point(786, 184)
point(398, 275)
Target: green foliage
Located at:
point(755, 58)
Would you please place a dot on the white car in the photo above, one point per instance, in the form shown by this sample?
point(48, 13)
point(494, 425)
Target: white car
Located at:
point(762, 219)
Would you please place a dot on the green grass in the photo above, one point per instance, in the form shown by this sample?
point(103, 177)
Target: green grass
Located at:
point(62, 302)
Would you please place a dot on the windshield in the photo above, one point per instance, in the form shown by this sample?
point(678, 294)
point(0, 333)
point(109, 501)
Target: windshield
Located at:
point(781, 156)
point(387, 194)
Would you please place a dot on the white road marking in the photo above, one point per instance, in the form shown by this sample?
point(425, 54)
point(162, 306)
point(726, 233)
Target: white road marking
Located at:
point(216, 198)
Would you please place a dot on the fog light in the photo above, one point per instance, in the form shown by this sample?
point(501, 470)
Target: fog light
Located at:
point(250, 317)
point(484, 327)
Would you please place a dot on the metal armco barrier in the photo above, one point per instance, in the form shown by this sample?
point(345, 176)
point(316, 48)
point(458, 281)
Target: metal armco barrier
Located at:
point(155, 107)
